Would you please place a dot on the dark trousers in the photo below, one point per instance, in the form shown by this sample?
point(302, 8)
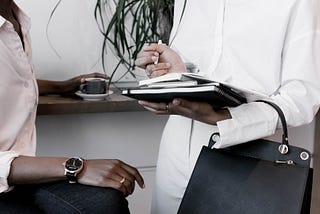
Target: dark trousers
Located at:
point(63, 197)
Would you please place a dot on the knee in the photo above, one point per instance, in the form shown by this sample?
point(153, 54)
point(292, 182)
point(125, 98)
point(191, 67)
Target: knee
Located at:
point(77, 198)
point(111, 201)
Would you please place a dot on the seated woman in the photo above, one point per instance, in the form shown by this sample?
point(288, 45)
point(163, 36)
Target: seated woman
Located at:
point(30, 184)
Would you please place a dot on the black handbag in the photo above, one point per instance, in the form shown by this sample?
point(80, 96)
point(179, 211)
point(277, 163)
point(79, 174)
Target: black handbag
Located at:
point(257, 177)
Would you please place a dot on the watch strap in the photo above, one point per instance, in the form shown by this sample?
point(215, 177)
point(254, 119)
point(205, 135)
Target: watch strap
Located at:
point(71, 177)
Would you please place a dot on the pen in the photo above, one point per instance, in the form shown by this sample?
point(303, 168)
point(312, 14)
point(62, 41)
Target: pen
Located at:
point(159, 43)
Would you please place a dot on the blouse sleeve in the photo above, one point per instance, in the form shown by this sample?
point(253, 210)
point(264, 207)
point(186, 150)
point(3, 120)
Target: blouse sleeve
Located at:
point(5, 163)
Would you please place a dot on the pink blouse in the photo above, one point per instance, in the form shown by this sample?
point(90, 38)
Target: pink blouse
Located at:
point(18, 95)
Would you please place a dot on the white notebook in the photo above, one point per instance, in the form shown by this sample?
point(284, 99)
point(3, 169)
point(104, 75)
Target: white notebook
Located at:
point(174, 77)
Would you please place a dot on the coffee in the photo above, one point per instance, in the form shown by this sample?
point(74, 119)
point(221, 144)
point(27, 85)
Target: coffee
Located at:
point(93, 86)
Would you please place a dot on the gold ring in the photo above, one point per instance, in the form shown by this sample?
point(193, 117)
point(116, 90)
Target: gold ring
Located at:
point(122, 180)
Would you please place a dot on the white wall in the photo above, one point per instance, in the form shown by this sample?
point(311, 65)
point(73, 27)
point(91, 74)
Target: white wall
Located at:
point(74, 35)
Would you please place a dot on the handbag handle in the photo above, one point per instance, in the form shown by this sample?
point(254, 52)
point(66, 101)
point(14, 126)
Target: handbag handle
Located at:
point(284, 146)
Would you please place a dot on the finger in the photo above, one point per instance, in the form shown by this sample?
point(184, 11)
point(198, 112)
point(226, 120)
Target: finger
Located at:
point(195, 110)
point(150, 47)
point(152, 110)
point(120, 174)
point(124, 179)
point(145, 53)
point(159, 112)
point(182, 102)
point(160, 69)
point(146, 58)
point(178, 106)
point(158, 73)
point(100, 75)
point(127, 183)
point(82, 79)
point(154, 107)
point(150, 68)
point(135, 173)
point(117, 185)
point(128, 179)
point(143, 61)
point(160, 48)
point(96, 75)
point(124, 174)
point(182, 107)
point(162, 66)
point(195, 107)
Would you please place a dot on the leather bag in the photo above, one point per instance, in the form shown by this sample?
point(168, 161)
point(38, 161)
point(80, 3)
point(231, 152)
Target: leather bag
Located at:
point(257, 177)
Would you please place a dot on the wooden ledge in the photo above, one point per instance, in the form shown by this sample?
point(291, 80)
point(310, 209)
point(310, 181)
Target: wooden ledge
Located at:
point(54, 104)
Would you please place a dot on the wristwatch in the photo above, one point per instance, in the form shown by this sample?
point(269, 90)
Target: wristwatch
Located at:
point(72, 167)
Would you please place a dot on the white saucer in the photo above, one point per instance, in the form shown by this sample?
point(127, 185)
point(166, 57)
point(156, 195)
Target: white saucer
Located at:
point(93, 97)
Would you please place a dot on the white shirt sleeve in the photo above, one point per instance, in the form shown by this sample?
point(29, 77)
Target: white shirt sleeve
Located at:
point(299, 93)
point(5, 163)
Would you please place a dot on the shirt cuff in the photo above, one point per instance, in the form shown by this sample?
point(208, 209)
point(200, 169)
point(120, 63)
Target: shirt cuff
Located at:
point(6, 159)
point(249, 122)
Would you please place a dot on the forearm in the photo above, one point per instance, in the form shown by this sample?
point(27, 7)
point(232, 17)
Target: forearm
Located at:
point(32, 170)
point(49, 87)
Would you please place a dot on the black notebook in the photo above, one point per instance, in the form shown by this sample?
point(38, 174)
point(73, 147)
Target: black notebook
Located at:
point(191, 87)
point(218, 96)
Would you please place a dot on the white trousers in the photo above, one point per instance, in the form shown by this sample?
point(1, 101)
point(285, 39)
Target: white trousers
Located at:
point(180, 146)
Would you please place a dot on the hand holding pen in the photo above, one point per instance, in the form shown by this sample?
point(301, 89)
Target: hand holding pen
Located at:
point(158, 59)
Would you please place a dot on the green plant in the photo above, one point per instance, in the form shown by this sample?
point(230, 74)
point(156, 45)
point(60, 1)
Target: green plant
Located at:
point(127, 25)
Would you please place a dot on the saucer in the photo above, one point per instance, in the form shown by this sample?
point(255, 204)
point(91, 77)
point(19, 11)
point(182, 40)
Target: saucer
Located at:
point(93, 97)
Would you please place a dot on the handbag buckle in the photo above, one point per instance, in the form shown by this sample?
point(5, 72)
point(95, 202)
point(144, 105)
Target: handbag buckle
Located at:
point(289, 162)
point(283, 149)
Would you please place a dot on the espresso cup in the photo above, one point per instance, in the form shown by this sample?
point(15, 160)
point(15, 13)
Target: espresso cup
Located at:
point(93, 86)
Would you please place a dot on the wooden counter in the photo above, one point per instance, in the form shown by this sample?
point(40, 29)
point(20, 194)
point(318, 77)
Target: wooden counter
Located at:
point(54, 104)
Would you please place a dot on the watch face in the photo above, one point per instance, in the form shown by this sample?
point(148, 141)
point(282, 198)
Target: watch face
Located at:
point(73, 164)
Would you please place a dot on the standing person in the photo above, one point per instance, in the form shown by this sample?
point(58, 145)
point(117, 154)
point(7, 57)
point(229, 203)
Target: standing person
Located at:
point(270, 46)
point(30, 184)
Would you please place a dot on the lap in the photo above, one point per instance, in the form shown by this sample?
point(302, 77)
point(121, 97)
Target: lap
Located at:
point(63, 197)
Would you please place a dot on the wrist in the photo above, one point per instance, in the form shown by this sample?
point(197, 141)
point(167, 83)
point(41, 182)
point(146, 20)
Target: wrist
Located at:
point(224, 114)
point(219, 115)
